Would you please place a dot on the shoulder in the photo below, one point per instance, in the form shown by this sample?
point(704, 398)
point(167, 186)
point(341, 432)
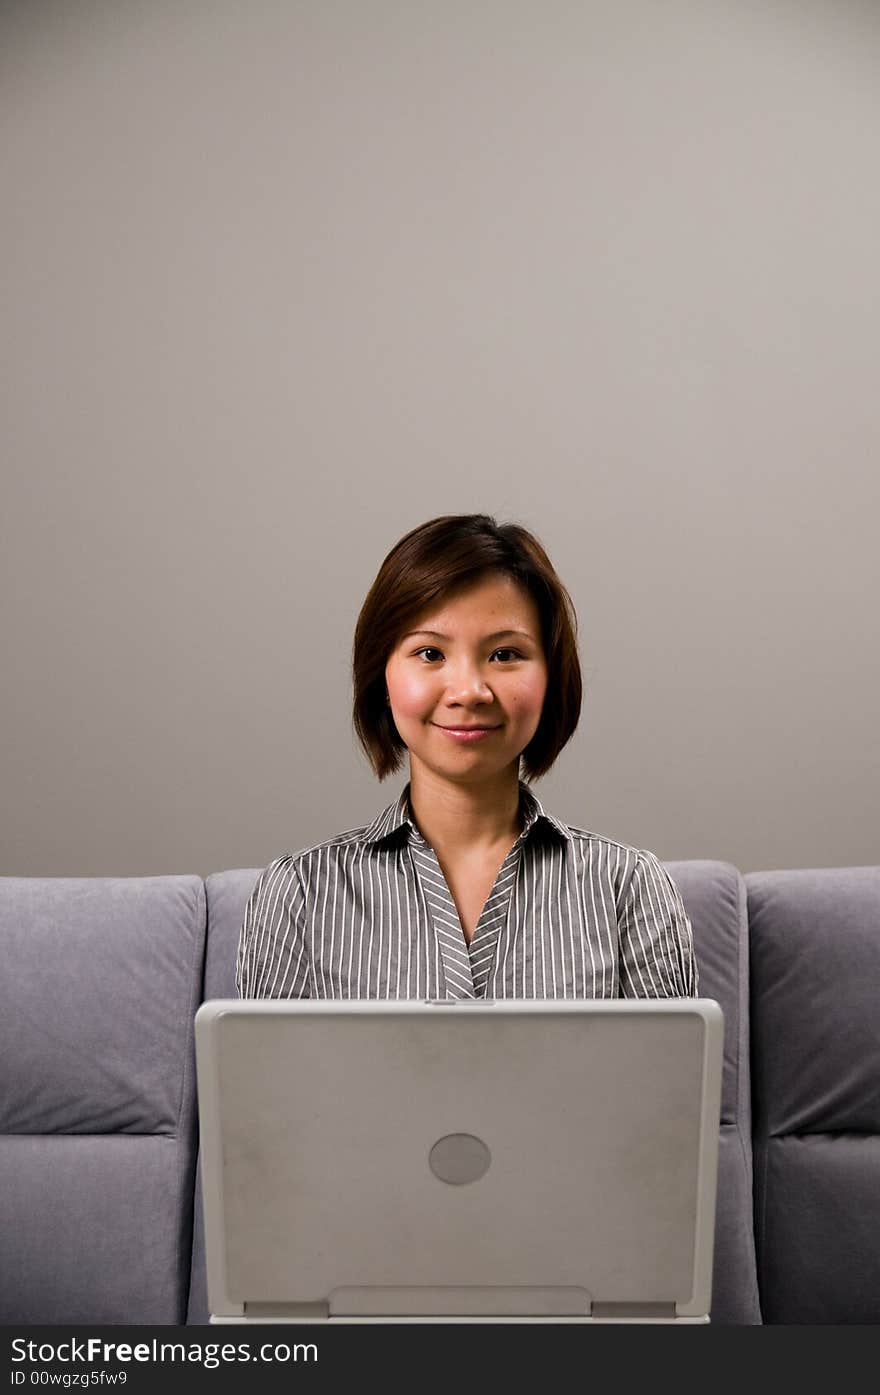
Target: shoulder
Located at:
point(603, 859)
point(589, 840)
point(287, 865)
point(600, 846)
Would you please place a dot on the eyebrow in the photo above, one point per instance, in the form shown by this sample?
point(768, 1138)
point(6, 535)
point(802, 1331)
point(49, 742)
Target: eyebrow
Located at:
point(497, 634)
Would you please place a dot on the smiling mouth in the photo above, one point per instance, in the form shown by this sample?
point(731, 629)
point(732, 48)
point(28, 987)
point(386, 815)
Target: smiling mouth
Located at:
point(442, 728)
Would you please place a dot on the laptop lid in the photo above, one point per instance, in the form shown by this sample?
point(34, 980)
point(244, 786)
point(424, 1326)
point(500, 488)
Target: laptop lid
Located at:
point(454, 1159)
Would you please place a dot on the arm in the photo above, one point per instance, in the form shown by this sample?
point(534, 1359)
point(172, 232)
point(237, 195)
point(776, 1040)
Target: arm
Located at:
point(272, 959)
point(655, 938)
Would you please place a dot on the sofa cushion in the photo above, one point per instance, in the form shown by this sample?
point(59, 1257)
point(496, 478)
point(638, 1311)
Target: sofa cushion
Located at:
point(714, 895)
point(102, 977)
point(227, 896)
point(815, 987)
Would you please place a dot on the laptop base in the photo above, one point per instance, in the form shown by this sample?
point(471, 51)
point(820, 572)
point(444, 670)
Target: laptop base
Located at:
point(415, 1304)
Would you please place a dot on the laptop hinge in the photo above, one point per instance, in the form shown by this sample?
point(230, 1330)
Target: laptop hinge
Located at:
point(635, 1311)
point(320, 1310)
point(268, 1311)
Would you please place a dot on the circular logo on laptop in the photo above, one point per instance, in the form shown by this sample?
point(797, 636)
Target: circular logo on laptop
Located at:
point(459, 1158)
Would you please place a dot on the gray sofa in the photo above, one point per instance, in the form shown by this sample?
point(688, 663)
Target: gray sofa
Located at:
point(100, 1207)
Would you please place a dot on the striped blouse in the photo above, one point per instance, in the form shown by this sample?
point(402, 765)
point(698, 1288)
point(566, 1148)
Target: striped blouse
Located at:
point(368, 914)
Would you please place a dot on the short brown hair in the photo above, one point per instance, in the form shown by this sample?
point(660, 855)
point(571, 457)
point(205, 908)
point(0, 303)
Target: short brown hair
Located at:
point(439, 558)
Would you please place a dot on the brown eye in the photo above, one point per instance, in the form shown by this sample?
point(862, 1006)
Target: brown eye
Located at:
point(429, 649)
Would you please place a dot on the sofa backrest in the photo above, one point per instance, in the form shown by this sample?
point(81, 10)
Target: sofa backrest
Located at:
point(815, 999)
point(101, 979)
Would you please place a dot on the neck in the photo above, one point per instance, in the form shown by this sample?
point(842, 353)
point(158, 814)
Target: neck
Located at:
point(462, 820)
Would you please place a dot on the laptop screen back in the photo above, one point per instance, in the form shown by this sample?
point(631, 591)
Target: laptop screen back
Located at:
point(501, 1157)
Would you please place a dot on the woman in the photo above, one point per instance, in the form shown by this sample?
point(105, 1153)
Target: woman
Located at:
point(465, 656)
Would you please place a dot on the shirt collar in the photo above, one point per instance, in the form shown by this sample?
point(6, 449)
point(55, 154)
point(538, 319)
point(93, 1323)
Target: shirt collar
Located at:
point(399, 815)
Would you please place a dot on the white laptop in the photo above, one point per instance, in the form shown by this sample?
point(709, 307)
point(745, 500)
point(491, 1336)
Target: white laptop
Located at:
point(479, 1160)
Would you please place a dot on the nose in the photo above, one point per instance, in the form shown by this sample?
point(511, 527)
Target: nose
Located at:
point(469, 687)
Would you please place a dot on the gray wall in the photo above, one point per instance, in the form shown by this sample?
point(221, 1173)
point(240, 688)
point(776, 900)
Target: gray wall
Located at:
point(281, 281)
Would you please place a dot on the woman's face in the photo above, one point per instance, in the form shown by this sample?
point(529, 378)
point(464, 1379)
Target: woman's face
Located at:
point(467, 674)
